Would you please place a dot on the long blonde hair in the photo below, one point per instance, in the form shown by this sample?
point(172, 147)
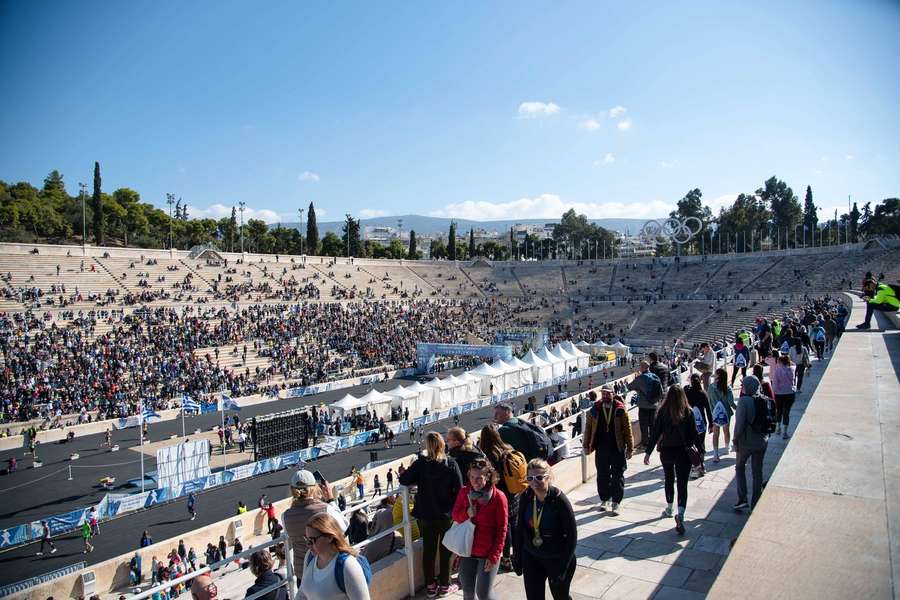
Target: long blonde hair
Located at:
point(326, 525)
point(434, 446)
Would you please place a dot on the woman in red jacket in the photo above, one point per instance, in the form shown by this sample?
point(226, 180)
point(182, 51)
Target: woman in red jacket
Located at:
point(485, 505)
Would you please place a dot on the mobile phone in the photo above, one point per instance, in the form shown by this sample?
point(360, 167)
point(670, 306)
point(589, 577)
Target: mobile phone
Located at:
point(318, 475)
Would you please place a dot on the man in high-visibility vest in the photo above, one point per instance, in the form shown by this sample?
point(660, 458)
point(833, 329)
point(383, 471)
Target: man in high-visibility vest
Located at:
point(885, 300)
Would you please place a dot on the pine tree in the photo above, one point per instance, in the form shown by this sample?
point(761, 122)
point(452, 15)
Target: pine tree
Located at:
point(97, 207)
point(451, 242)
point(312, 231)
point(854, 224)
point(412, 255)
point(184, 213)
point(472, 242)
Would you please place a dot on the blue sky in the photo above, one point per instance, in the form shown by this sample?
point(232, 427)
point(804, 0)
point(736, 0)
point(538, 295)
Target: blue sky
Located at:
point(463, 109)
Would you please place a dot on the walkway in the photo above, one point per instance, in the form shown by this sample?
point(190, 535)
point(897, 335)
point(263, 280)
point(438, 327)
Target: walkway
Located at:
point(637, 554)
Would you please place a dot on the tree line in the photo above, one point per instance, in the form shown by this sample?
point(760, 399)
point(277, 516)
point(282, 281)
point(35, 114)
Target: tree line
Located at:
point(770, 217)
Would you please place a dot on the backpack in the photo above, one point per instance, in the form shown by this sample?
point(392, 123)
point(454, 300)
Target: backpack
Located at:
point(820, 334)
point(515, 467)
point(763, 415)
point(534, 440)
point(656, 390)
point(339, 568)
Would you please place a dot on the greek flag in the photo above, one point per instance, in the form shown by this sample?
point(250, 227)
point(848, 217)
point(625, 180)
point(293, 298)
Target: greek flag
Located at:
point(147, 413)
point(188, 404)
point(228, 403)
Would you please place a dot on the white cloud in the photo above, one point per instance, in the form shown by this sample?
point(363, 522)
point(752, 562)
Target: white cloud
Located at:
point(607, 159)
point(218, 211)
point(818, 172)
point(533, 110)
point(850, 157)
point(551, 206)
point(371, 213)
point(616, 111)
point(309, 176)
point(590, 124)
point(723, 201)
point(624, 125)
point(667, 164)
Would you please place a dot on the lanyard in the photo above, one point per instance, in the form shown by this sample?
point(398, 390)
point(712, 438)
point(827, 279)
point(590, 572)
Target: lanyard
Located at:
point(536, 517)
point(607, 414)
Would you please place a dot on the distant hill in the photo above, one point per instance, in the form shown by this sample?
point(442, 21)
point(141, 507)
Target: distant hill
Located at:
point(429, 225)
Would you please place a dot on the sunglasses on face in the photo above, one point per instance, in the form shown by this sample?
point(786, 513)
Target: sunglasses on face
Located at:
point(310, 540)
point(537, 478)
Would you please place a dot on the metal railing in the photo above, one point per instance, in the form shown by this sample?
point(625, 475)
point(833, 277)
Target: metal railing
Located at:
point(290, 580)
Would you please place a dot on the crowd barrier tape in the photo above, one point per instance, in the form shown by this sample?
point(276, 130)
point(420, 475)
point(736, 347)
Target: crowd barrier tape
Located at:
point(114, 505)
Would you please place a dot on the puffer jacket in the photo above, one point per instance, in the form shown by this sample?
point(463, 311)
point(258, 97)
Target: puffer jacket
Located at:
point(438, 482)
point(624, 435)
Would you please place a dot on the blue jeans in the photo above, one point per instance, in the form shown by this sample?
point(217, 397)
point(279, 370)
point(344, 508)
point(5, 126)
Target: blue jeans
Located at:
point(476, 583)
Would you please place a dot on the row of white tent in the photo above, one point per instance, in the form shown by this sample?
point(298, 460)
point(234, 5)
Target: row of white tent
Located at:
point(600, 346)
point(485, 380)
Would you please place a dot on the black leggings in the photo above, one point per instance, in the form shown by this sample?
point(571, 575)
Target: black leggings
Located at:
point(535, 572)
point(677, 468)
point(783, 404)
point(820, 349)
point(734, 373)
point(801, 370)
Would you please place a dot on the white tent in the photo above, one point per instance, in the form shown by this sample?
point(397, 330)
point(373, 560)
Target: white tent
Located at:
point(510, 373)
point(541, 370)
point(473, 386)
point(600, 346)
point(525, 375)
point(489, 375)
point(460, 389)
point(583, 358)
point(426, 396)
point(378, 403)
point(620, 349)
point(559, 364)
point(404, 399)
point(443, 393)
point(585, 346)
point(571, 361)
point(347, 405)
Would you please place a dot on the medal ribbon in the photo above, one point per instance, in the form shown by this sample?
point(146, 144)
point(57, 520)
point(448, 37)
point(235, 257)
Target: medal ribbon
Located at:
point(536, 517)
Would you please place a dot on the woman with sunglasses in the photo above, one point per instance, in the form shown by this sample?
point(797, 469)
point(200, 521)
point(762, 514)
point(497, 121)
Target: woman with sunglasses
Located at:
point(485, 505)
point(328, 546)
point(545, 538)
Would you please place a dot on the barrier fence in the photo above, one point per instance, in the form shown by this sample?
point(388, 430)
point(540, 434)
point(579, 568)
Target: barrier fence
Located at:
point(114, 505)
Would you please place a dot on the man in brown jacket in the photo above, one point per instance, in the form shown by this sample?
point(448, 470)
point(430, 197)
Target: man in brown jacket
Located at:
point(608, 432)
point(307, 501)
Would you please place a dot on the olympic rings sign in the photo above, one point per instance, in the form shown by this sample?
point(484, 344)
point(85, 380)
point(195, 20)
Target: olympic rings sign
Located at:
point(680, 231)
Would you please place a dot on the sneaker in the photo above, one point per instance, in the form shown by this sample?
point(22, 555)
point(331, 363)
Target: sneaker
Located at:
point(53, 551)
point(431, 591)
point(785, 435)
point(716, 458)
point(446, 590)
point(679, 524)
point(863, 326)
point(194, 517)
point(615, 508)
point(667, 512)
point(39, 554)
point(741, 505)
point(603, 505)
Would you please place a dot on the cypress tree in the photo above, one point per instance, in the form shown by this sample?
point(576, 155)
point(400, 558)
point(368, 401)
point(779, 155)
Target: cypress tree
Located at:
point(451, 242)
point(471, 242)
point(312, 231)
point(97, 207)
point(810, 219)
point(232, 230)
point(412, 245)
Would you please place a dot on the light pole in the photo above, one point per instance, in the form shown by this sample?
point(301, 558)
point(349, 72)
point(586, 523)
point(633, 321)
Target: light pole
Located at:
point(170, 199)
point(242, 205)
point(301, 211)
point(83, 187)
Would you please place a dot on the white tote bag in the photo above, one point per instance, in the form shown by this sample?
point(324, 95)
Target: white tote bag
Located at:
point(459, 538)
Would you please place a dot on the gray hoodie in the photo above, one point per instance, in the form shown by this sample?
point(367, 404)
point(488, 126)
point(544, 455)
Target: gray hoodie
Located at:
point(746, 438)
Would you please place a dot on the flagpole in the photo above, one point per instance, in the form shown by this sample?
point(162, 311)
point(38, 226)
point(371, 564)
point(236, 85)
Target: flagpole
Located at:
point(141, 433)
point(182, 416)
point(224, 454)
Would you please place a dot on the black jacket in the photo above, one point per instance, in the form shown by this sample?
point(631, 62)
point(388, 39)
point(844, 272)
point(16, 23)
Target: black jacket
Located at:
point(265, 580)
point(671, 436)
point(661, 371)
point(558, 548)
point(438, 484)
